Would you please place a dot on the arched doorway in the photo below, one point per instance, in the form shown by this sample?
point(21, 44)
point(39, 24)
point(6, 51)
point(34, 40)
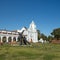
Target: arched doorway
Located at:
point(4, 39)
point(14, 39)
point(9, 39)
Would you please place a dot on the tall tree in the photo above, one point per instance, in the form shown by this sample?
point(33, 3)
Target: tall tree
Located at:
point(38, 34)
point(50, 38)
point(44, 37)
point(56, 33)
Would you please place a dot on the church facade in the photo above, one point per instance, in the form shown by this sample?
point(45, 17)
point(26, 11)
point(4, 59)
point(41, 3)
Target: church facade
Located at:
point(11, 36)
point(32, 33)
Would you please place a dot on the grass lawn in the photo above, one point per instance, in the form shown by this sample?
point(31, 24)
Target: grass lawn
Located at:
point(34, 52)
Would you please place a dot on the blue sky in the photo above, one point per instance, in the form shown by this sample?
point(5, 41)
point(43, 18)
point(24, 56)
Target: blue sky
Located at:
point(14, 14)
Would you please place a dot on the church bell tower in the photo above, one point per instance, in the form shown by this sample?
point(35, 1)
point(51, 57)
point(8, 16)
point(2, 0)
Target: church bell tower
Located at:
point(32, 33)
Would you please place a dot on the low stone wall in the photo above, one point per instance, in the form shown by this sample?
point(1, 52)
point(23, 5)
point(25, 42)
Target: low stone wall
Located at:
point(56, 41)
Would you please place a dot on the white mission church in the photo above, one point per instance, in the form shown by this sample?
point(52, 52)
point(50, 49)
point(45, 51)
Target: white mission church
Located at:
point(11, 36)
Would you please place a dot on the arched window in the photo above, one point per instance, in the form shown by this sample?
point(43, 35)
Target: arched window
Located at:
point(9, 39)
point(4, 39)
point(14, 39)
